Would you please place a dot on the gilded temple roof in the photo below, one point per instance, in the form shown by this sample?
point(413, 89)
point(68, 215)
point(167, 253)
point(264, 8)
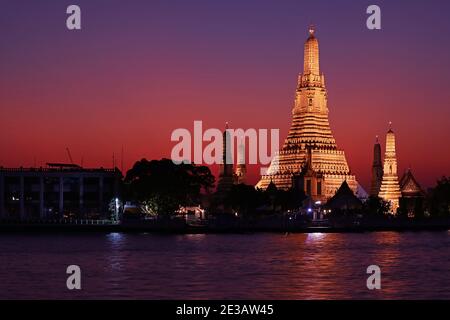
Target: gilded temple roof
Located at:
point(409, 185)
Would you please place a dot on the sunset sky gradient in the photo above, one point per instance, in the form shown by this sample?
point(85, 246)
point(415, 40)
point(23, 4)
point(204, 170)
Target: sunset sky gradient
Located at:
point(140, 69)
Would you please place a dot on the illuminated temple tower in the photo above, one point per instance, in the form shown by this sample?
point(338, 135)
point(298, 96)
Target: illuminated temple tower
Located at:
point(310, 158)
point(390, 188)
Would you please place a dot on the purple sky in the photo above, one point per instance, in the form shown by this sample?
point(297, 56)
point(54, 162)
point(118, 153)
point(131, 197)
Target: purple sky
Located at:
point(139, 69)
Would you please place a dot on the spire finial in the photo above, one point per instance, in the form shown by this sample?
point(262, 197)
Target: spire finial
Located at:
point(226, 125)
point(311, 30)
point(376, 139)
point(390, 127)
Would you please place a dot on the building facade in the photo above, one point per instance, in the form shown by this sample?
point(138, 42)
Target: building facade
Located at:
point(309, 156)
point(56, 192)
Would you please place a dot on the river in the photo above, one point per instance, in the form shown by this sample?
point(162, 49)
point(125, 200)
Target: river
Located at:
point(414, 265)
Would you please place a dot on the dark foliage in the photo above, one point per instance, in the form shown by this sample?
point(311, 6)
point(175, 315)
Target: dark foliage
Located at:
point(164, 186)
point(439, 198)
point(244, 198)
point(375, 207)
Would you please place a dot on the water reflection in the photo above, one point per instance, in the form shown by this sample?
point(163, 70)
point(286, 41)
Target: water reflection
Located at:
point(115, 256)
point(315, 236)
point(115, 238)
point(254, 266)
point(193, 237)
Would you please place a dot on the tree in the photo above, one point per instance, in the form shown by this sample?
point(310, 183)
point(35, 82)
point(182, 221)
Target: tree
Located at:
point(244, 198)
point(439, 198)
point(162, 186)
point(283, 200)
point(411, 207)
point(375, 206)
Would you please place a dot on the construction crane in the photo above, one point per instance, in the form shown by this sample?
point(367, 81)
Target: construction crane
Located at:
point(70, 156)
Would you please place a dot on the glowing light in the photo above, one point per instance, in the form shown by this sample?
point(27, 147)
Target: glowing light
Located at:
point(315, 236)
point(115, 238)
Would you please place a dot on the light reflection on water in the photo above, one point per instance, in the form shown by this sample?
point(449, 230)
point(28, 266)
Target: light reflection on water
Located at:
point(254, 266)
point(315, 236)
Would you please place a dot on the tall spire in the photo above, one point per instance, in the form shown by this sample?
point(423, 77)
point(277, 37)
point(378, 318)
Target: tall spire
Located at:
point(377, 169)
point(377, 153)
point(227, 156)
point(310, 157)
point(390, 189)
point(225, 180)
point(311, 54)
point(311, 76)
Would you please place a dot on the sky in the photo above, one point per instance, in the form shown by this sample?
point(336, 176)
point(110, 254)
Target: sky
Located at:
point(140, 69)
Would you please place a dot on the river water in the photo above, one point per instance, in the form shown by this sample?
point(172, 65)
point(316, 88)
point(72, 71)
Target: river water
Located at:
point(414, 265)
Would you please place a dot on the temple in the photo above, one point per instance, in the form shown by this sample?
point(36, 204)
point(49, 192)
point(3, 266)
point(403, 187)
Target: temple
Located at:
point(228, 174)
point(377, 170)
point(412, 202)
point(390, 188)
point(309, 157)
point(344, 199)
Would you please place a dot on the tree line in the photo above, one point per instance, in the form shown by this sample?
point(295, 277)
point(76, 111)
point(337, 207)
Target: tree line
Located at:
point(162, 187)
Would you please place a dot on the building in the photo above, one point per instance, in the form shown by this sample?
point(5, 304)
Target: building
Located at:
point(344, 199)
point(57, 191)
point(390, 188)
point(412, 202)
point(377, 170)
point(309, 156)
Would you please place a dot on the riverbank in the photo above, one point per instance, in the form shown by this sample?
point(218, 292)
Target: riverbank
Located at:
point(182, 228)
